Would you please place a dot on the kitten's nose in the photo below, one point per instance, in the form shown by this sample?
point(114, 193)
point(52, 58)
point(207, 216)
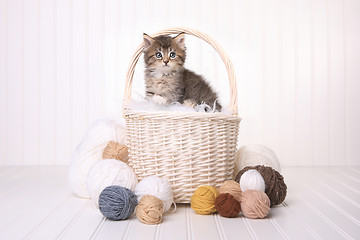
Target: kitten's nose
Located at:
point(166, 61)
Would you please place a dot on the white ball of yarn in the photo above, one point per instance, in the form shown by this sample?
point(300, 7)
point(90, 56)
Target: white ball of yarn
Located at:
point(89, 151)
point(158, 187)
point(253, 155)
point(109, 172)
point(252, 180)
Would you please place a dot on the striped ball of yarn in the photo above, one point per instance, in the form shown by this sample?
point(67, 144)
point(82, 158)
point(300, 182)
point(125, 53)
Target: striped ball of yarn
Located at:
point(275, 186)
point(150, 210)
point(203, 200)
point(255, 204)
point(252, 180)
point(227, 206)
point(117, 203)
point(231, 187)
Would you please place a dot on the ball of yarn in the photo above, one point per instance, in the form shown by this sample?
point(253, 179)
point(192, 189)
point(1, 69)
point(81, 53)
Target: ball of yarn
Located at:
point(203, 200)
point(275, 186)
point(115, 150)
point(158, 187)
point(150, 210)
point(117, 203)
point(252, 155)
point(255, 204)
point(109, 172)
point(227, 206)
point(90, 150)
point(252, 180)
point(231, 187)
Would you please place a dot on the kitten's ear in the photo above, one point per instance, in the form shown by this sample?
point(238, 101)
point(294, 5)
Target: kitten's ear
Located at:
point(180, 40)
point(147, 41)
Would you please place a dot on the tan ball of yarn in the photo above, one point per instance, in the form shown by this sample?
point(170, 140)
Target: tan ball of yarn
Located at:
point(231, 187)
point(114, 150)
point(255, 204)
point(150, 210)
point(275, 186)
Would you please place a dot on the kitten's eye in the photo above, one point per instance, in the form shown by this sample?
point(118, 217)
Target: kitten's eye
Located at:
point(172, 55)
point(158, 55)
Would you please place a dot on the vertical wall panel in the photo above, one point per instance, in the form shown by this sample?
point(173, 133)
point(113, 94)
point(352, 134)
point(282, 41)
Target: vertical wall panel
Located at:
point(271, 75)
point(80, 81)
point(13, 82)
point(222, 27)
point(336, 83)
point(239, 54)
point(46, 82)
point(287, 106)
point(353, 76)
point(252, 120)
point(320, 104)
point(112, 45)
point(96, 60)
point(303, 84)
point(64, 142)
point(30, 83)
point(3, 82)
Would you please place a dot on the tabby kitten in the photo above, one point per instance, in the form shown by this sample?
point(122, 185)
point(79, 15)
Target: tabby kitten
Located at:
point(166, 79)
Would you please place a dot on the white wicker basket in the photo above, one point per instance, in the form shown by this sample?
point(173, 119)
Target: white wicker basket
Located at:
point(190, 149)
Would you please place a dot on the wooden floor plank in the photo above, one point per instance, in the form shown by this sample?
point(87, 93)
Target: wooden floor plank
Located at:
point(290, 226)
point(352, 176)
point(53, 225)
point(13, 175)
point(114, 229)
point(327, 192)
point(28, 191)
point(263, 228)
point(174, 224)
point(84, 225)
point(233, 228)
point(138, 230)
point(23, 226)
point(332, 216)
point(342, 184)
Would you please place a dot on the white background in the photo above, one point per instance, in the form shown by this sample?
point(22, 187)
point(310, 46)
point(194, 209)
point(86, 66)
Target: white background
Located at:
point(63, 65)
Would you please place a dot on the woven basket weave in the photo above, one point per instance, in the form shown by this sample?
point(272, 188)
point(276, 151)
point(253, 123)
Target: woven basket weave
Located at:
point(189, 148)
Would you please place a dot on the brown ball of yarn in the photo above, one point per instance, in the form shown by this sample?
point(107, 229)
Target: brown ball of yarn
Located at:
point(114, 150)
point(231, 187)
point(255, 204)
point(275, 186)
point(227, 206)
point(150, 210)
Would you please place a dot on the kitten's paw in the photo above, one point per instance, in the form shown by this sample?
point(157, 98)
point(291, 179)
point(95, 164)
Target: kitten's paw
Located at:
point(189, 103)
point(159, 99)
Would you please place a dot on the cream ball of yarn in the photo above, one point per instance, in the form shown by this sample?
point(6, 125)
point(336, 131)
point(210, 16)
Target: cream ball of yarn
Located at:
point(109, 172)
point(252, 180)
point(158, 187)
point(90, 151)
point(253, 155)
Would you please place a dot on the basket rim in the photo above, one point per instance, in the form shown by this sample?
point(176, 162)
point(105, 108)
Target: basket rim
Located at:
point(226, 60)
point(181, 115)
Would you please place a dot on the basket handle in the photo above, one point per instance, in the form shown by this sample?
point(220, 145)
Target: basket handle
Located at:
point(206, 38)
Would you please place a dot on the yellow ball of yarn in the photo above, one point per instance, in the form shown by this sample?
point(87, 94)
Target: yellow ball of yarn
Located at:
point(203, 200)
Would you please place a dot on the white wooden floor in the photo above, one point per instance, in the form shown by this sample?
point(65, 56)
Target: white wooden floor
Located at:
point(322, 203)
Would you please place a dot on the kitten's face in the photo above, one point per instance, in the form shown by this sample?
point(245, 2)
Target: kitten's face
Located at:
point(164, 53)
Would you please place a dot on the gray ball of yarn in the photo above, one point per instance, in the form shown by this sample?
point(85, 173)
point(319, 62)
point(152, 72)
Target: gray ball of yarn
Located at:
point(117, 203)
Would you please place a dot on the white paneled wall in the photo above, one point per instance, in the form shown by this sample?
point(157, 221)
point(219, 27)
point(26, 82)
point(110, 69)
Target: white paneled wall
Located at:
point(63, 62)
